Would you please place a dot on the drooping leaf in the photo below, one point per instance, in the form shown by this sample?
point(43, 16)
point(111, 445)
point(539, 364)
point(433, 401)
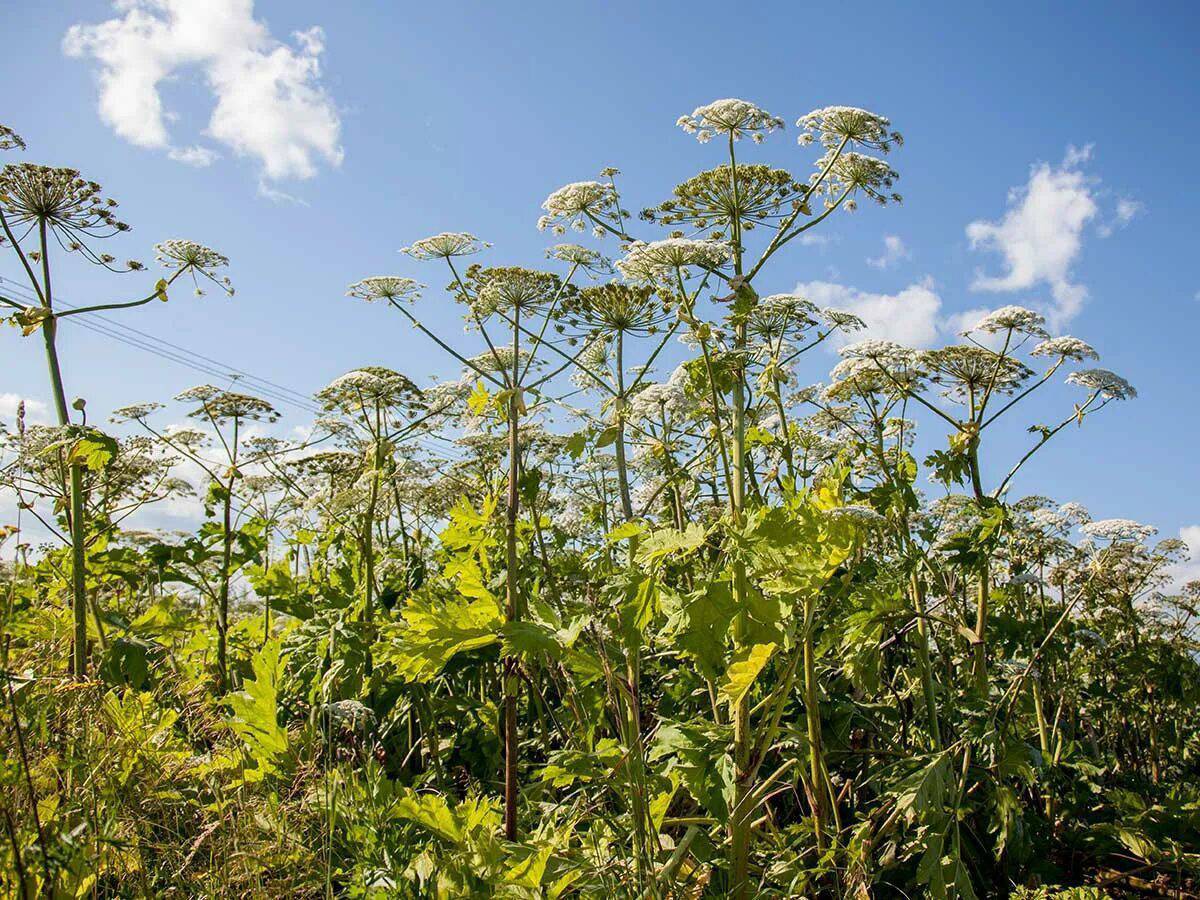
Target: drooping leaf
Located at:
point(744, 670)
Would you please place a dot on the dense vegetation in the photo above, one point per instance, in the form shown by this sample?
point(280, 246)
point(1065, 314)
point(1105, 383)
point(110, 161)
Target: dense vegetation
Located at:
point(706, 633)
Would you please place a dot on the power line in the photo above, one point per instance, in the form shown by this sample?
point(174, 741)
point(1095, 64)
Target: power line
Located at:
point(175, 353)
point(241, 373)
point(214, 368)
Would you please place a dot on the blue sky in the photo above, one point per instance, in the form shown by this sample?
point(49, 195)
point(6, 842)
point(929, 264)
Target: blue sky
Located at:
point(1063, 129)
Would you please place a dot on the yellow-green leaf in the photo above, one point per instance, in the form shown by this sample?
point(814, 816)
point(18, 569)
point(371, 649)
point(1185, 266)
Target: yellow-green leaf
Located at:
point(744, 670)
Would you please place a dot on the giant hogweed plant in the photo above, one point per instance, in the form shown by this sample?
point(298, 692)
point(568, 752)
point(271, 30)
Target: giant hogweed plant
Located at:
point(713, 639)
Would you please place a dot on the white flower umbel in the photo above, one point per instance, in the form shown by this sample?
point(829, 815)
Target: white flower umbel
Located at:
point(651, 261)
point(842, 320)
point(886, 353)
point(385, 287)
point(1065, 347)
point(188, 256)
point(1075, 512)
point(583, 257)
point(1109, 384)
point(1118, 530)
point(731, 117)
point(835, 124)
point(1013, 318)
point(847, 174)
point(860, 516)
point(445, 245)
point(572, 204)
point(183, 254)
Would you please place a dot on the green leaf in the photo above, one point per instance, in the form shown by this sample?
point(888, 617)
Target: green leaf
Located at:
point(471, 819)
point(577, 444)
point(743, 671)
point(667, 542)
point(479, 398)
point(433, 633)
point(638, 608)
point(255, 713)
point(625, 531)
point(697, 752)
point(527, 638)
point(699, 622)
point(94, 450)
point(287, 595)
point(607, 436)
point(529, 871)
point(924, 791)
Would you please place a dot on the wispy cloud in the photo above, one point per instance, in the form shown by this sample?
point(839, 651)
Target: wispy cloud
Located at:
point(814, 240)
point(269, 103)
point(894, 250)
point(1126, 211)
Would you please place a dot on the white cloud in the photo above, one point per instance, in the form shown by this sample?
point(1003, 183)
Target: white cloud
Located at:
point(1041, 234)
point(194, 156)
point(277, 196)
point(909, 317)
point(1127, 208)
point(894, 250)
point(269, 101)
point(1188, 570)
point(814, 240)
point(1077, 156)
point(1126, 211)
point(35, 410)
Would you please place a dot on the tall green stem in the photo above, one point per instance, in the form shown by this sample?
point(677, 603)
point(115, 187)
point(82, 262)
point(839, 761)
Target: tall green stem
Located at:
point(512, 610)
point(984, 593)
point(633, 662)
point(78, 528)
point(368, 539)
point(812, 715)
point(226, 566)
point(917, 589)
point(740, 820)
